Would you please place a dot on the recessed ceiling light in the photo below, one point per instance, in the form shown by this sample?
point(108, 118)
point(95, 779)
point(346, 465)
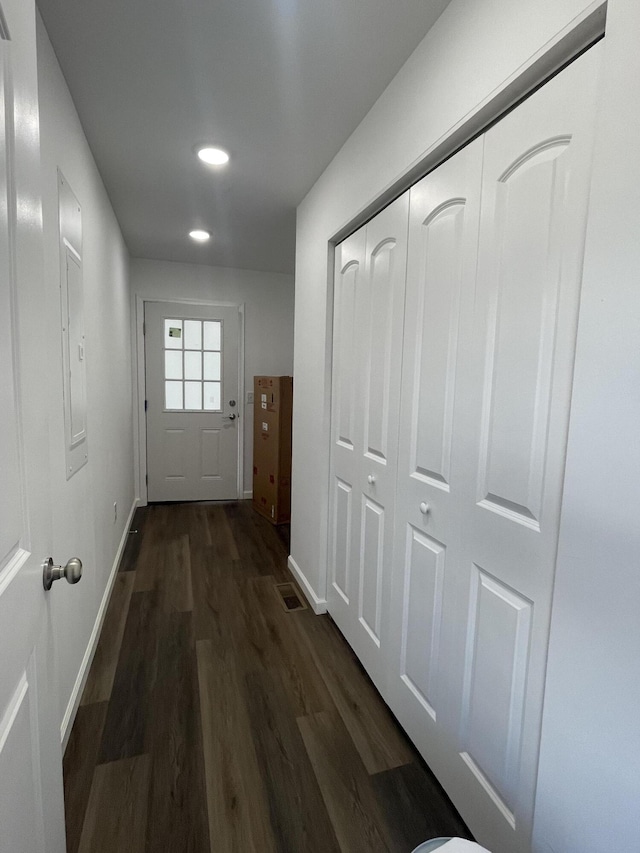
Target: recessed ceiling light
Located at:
point(213, 156)
point(199, 236)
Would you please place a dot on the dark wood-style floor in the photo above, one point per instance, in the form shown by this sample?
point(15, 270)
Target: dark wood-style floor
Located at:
point(213, 720)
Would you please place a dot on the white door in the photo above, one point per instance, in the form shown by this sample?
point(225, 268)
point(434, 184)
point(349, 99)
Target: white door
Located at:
point(31, 805)
point(441, 271)
point(515, 411)
point(369, 300)
point(477, 569)
point(193, 407)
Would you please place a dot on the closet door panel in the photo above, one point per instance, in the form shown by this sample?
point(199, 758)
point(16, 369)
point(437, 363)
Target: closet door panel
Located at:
point(512, 422)
point(524, 236)
point(425, 565)
point(386, 265)
point(441, 269)
point(369, 312)
point(440, 245)
point(346, 426)
point(350, 257)
point(341, 526)
point(371, 568)
point(380, 353)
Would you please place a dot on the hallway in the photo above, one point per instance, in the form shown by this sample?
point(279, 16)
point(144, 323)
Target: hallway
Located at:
point(212, 719)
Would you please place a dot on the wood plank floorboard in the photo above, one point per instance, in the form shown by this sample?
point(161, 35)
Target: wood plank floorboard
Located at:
point(105, 660)
point(177, 807)
point(116, 818)
point(150, 551)
point(415, 807)
point(375, 733)
point(214, 721)
point(298, 814)
point(345, 784)
point(220, 536)
point(134, 539)
point(218, 606)
point(258, 545)
point(238, 807)
point(79, 763)
point(199, 525)
point(173, 576)
point(130, 704)
point(272, 633)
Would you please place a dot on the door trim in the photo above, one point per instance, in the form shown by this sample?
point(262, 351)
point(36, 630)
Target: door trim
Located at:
point(139, 416)
point(568, 44)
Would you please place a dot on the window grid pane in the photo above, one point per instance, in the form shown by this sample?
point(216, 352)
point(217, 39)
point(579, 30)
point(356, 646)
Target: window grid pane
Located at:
point(212, 366)
point(212, 335)
point(193, 365)
point(193, 396)
point(173, 395)
point(212, 396)
point(172, 364)
point(173, 334)
point(193, 334)
point(186, 364)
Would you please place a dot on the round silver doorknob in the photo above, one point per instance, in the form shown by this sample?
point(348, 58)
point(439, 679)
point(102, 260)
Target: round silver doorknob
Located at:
point(424, 508)
point(50, 573)
point(371, 479)
point(231, 417)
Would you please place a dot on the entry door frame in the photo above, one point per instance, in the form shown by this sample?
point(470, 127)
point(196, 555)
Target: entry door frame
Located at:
point(140, 418)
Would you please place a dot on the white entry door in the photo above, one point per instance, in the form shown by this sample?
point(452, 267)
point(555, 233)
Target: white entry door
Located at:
point(483, 447)
point(31, 804)
point(192, 399)
point(369, 309)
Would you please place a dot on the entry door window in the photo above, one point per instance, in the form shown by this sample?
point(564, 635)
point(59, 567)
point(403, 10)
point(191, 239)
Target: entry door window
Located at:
point(192, 365)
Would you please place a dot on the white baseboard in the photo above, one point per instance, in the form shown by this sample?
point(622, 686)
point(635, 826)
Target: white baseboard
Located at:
point(319, 605)
point(81, 680)
point(247, 495)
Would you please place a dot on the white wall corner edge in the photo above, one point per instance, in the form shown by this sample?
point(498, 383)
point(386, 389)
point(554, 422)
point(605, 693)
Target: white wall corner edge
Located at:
point(87, 660)
point(319, 605)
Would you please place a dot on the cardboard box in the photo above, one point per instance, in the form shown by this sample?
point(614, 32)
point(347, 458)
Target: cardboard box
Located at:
point(272, 403)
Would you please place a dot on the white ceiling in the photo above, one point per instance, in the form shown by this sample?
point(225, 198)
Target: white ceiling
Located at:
point(280, 84)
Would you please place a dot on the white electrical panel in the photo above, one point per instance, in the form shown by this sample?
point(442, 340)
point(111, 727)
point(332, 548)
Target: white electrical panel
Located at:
point(74, 381)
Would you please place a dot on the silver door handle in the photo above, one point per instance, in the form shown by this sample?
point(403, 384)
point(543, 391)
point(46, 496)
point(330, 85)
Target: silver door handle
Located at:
point(50, 573)
point(229, 417)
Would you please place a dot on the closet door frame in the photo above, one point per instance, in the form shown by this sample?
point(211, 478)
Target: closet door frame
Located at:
point(581, 34)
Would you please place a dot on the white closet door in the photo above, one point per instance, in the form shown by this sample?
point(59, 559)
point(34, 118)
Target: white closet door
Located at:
point(367, 368)
point(510, 431)
point(346, 438)
point(441, 270)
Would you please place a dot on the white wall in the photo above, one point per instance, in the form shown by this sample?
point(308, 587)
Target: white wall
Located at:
point(268, 300)
point(83, 522)
point(591, 733)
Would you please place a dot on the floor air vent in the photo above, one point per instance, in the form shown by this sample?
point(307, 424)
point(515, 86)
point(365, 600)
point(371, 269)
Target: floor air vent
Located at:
point(289, 597)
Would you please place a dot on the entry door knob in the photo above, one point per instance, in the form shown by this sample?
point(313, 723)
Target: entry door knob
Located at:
point(424, 508)
point(371, 479)
point(50, 573)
